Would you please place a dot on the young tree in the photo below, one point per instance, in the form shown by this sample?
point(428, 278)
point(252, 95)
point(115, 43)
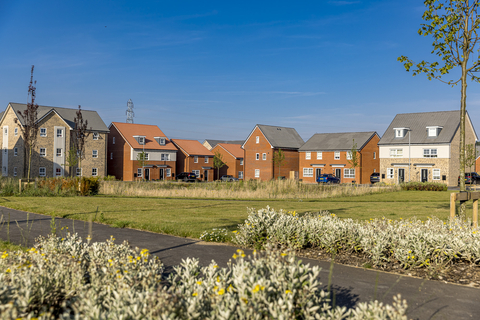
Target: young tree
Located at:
point(29, 128)
point(470, 156)
point(142, 161)
point(453, 25)
point(354, 157)
point(218, 162)
point(71, 160)
point(278, 159)
point(81, 134)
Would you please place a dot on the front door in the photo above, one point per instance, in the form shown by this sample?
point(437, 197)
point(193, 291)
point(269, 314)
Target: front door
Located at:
point(401, 175)
point(161, 174)
point(318, 172)
point(205, 175)
point(147, 174)
point(338, 174)
point(424, 175)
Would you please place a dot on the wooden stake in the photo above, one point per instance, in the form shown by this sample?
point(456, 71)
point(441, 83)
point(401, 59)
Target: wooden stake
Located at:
point(475, 213)
point(19, 185)
point(453, 197)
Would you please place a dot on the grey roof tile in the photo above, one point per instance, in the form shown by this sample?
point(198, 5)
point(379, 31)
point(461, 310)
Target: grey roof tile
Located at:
point(213, 143)
point(281, 137)
point(337, 141)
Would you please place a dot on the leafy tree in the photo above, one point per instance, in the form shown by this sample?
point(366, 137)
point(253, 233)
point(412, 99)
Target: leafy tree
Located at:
point(71, 160)
point(279, 159)
point(470, 156)
point(453, 24)
point(81, 134)
point(218, 162)
point(30, 126)
point(354, 157)
point(142, 161)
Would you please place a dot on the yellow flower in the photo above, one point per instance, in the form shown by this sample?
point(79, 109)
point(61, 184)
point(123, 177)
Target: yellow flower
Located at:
point(257, 288)
point(235, 256)
point(283, 254)
point(245, 300)
point(218, 279)
point(215, 266)
point(235, 231)
point(288, 291)
point(221, 291)
point(230, 288)
point(8, 270)
point(199, 283)
point(194, 294)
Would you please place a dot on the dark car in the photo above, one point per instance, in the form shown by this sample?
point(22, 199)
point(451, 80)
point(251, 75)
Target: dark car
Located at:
point(327, 178)
point(228, 178)
point(471, 178)
point(375, 177)
point(187, 176)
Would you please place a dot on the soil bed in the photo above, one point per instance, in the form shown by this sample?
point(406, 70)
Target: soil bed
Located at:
point(460, 272)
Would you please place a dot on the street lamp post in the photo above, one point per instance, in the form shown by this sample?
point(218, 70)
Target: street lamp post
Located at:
point(409, 157)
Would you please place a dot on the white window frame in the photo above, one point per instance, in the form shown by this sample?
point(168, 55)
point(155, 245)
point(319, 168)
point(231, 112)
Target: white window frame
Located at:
point(195, 159)
point(390, 173)
point(374, 155)
point(162, 141)
point(59, 133)
point(169, 172)
point(94, 172)
point(436, 174)
point(113, 141)
point(430, 153)
point(349, 173)
point(240, 174)
point(165, 157)
point(15, 151)
point(264, 156)
point(206, 159)
point(399, 133)
point(139, 172)
point(79, 172)
point(349, 155)
point(396, 153)
point(44, 154)
point(59, 154)
point(94, 153)
point(14, 171)
point(257, 156)
point(319, 155)
point(257, 173)
point(43, 132)
point(141, 140)
point(95, 135)
point(432, 132)
point(42, 172)
point(308, 172)
point(336, 155)
point(241, 162)
point(308, 155)
point(257, 139)
point(146, 156)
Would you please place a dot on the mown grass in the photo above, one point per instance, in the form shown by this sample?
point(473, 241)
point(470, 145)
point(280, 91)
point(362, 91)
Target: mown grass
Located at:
point(190, 217)
point(8, 246)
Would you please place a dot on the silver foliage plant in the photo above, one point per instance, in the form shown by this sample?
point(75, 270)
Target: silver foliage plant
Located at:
point(411, 243)
point(66, 278)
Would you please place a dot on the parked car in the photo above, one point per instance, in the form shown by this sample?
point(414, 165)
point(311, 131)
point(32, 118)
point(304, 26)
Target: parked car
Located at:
point(327, 178)
point(186, 177)
point(471, 178)
point(228, 178)
point(375, 177)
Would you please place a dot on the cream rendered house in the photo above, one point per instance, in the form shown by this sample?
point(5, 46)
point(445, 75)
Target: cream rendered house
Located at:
point(423, 147)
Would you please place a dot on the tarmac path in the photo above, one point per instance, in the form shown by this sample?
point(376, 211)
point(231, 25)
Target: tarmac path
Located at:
point(426, 299)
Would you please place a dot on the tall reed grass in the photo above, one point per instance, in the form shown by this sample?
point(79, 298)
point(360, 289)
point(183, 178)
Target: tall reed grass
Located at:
point(274, 189)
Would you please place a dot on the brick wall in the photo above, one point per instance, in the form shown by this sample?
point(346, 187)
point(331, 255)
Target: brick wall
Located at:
point(117, 165)
point(232, 165)
point(369, 160)
point(251, 163)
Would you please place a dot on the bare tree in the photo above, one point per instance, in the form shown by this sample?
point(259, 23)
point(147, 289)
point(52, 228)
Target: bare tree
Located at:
point(29, 128)
point(81, 134)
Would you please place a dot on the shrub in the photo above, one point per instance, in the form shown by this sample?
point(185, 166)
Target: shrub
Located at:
point(424, 186)
point(89, 186)
point(66, 278)
point(215, 235)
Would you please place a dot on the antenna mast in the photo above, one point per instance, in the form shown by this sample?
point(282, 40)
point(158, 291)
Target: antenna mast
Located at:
point(130, 113)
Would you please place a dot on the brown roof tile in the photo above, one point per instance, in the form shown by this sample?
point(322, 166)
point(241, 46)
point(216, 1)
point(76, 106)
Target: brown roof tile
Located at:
point(129, 130)
point(234, 149)
point(192, 147)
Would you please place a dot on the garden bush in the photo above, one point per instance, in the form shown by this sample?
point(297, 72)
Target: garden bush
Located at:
point(424, 186)
point(66, 278)
point(89, 186)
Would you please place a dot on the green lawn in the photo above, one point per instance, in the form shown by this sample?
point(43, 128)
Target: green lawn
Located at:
point(190, 217)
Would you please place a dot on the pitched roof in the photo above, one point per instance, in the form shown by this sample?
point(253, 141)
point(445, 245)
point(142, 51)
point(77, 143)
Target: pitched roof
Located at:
point(129, 130)
point(280, 137)
point(234, 149)
point(418, 123)
point(95, 123)
point(192, 147)
point(337, 141)
point(213, 143)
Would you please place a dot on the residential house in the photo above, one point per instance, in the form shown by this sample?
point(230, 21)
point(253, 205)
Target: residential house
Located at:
point(232, 156)
point(210, 144)
point(54, 143)
point(194, 157)
point(127, 143)
point(477, 159)
point(260, 148)
point(331, 153)
point(424, 147)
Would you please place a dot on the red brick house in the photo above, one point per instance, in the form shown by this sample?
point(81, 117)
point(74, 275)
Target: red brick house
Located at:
point(194, 157)
point(330, 153)
point(261, 145)
point(128, 140)
point(232, 156)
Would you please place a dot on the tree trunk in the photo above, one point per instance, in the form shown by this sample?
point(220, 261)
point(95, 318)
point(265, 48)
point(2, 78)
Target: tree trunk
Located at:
point(463, 108)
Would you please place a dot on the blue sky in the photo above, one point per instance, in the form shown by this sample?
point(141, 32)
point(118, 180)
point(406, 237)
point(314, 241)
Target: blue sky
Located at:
point(214, 69)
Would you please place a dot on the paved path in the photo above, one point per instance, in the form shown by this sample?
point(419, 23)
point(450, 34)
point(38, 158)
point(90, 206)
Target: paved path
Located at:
point(426, 299)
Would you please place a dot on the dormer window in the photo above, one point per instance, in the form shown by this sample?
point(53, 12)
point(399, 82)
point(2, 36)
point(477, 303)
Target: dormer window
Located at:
point(400, 132)
point(433, 131)
point(140, 139)
point(161, 140)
